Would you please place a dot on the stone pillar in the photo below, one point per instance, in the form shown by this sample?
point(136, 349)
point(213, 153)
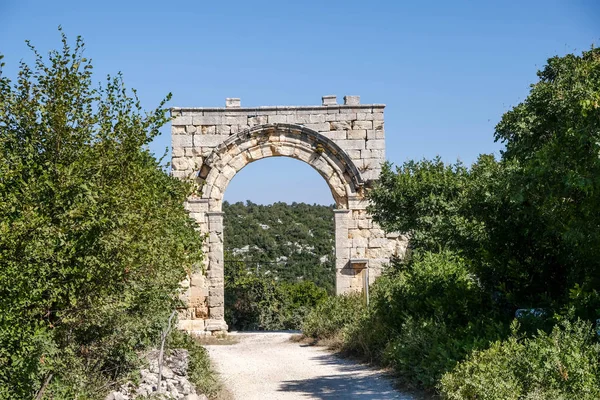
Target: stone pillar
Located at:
point(216, 289)
point(342, 251)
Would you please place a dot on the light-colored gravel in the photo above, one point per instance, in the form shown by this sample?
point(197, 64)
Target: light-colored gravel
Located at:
point(270, 366)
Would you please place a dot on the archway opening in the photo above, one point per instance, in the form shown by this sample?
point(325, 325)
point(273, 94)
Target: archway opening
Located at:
point(279, 244)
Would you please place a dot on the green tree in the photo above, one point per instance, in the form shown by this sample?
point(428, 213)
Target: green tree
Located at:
point(553, 138)
point(93, 235)
point(523, 228)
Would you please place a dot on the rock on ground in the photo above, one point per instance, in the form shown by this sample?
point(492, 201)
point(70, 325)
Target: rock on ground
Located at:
point(174, 382)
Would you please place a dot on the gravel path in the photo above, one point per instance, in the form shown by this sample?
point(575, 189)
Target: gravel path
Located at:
point(269, 366)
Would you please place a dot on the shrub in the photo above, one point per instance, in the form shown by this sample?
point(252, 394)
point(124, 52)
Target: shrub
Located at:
point(258, 302)
point(425, 349)
point(425, 316)
point(564, 364)
point(329, 318)
point(94, 238)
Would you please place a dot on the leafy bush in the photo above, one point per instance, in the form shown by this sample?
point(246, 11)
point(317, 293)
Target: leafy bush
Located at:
point(562, 365)
point(522, 232)
point(94, 239)
point(258, 302)
point(328, 319)
point(425, 349)
point(425, 316)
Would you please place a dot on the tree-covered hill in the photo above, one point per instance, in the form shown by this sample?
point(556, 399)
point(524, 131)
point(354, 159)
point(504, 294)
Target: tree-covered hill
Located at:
point(294, 241)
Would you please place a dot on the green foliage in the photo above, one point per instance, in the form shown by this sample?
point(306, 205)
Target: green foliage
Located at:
point(424, 349)
point(562, 365)
point(329, 318)
point(554, 138)
point(292, 241)
point(424, 199)
point(521, 232)
point(259, 302)
point(425, 316)
point(94, 239)
point(279, 263)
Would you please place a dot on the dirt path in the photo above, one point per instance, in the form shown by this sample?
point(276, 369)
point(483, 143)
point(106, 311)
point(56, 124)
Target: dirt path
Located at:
point(269, 366)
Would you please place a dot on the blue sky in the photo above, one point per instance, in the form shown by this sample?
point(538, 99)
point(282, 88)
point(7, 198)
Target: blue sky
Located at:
point(447, 70)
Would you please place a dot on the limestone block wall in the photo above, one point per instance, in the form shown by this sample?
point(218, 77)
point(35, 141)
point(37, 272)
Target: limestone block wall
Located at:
point(345, 143)
point(356, 128)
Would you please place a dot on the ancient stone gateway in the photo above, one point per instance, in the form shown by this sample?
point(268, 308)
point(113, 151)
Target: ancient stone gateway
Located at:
point(344, 143)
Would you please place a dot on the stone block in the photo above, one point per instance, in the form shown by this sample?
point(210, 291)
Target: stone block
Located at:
point(378, 242)
point(233, 102)
point(182, 120)
point(319, 127)
point(364, 223)
point(178, 152)
point(358, 252)
point(178, 130)
point(336, 135)
point(197, 325)
point(215, 301)
point(215, 237)
point(357, 134)
point(345, 116)
point(340, 125)
point(329, 100)
point(362, 125)
point(375, 134)
point(316, 118)
point(299, 119)
point(215, 119)
point(181, 141)
point(258, 120)
point(354, 153)
point(217, 312)
point(223, 129)
point(360, 242)
point(277, 119)
point(377, 252)
point(181, 174)
point(234, 120)
point(351, 144)
point(216, 322)
point(377, 144)
point(184, 324)
point(209, 140)
point(351, 100)
point(370, 174)
point(207, 129)
point(196, 206)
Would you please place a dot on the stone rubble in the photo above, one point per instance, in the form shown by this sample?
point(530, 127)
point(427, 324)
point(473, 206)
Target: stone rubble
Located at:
point(174, 382)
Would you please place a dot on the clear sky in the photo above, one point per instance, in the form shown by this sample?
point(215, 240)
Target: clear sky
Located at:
point(447, 70)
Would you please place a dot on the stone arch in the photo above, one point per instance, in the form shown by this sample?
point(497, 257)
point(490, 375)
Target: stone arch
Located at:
point(344, 143)
point(280, 140)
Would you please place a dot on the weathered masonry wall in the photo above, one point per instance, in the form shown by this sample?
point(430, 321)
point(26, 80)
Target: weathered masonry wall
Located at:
point(344, 143)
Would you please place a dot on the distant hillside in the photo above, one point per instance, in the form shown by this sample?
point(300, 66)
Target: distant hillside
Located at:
point(291, 241)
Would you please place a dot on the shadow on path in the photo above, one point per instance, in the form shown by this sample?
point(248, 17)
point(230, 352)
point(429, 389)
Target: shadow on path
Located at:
point(354, 381)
